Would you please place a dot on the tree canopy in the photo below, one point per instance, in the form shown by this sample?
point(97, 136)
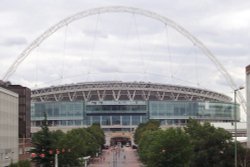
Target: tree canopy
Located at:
point(43, 142)
point(162, 148)
point(196, 145)
point(151, 125)
point(98, 133)
point(70, 146)
point(211, 146)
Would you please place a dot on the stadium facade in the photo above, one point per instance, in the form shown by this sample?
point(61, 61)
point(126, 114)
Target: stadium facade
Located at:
point(121, 106)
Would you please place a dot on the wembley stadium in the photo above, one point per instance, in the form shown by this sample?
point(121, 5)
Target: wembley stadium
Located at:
point(121, 106)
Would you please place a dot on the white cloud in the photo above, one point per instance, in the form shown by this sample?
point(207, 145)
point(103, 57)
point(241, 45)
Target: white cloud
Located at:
point(229, 21)
point(14, 41)
point(120, 46)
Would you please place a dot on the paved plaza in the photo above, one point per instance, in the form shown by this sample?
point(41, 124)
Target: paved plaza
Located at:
point(118, 157)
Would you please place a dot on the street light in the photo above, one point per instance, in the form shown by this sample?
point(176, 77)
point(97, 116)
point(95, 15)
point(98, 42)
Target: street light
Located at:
point(235, 126)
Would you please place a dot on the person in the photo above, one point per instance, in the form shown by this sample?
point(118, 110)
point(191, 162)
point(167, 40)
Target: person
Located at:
point(124, 157)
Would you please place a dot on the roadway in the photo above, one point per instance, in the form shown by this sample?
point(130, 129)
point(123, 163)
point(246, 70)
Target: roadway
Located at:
point(118, 157)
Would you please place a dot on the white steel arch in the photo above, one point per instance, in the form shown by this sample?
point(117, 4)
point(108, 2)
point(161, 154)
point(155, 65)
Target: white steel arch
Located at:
point(112, 9)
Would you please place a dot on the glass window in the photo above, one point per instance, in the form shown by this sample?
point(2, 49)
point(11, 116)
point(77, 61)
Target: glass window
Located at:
point(49, 112)
point(78, 122)
point(106, 108)
point(116, 120)
point(63, 111)
point(105, 120)
point(63, 123)
point(96, 119)
point(70, 122)
point(88, 120)
point(135, 120)
point(115, 108)
point(125, 120)
point(144, 119)
point(56, 112)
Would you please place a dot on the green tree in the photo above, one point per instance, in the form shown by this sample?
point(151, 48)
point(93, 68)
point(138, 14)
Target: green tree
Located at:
point(56, 136)
point(163, 148)
point(98, 133)
point(81, 143)
point(72, 146)
point(43, 143)
point(213, 147)
point(151, 125)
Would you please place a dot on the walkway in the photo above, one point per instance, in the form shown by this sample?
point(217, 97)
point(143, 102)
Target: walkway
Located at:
point(118, 157)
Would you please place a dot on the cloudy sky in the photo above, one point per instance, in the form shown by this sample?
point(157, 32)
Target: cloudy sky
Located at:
point(126, 46)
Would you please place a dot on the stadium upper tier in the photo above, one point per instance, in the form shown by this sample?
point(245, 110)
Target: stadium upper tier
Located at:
point(118, 90)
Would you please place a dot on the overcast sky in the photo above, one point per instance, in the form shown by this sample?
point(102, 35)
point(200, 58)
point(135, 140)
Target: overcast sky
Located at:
point(125, 46)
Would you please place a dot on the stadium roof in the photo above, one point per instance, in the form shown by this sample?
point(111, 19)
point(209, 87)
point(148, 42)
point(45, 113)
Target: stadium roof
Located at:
point(118, 90)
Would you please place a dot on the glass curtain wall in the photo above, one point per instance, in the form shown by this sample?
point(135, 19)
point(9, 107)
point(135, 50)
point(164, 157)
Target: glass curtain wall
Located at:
point(58, 113)
point(186, 109)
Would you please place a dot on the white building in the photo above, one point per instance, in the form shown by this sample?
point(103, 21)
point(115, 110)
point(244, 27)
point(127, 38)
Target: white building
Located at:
point(248, 103)
point(8, 127)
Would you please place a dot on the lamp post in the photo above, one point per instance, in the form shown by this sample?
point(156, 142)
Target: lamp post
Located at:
point(235, 126)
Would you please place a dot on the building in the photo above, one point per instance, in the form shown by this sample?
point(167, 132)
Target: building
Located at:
point(24, 109)
point(8, 127)
point(121, 106)
point(24, 124)
point(248, 103)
